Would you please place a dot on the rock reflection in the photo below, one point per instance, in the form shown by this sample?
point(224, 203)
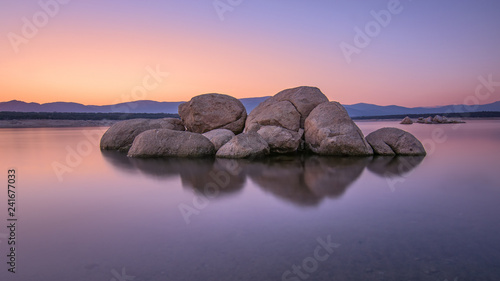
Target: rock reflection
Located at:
point(303, 180)
point(306, 180)
point(393, 166)
point(331, 176)
point(196, 174)
point(283, 177)
point(118, 160)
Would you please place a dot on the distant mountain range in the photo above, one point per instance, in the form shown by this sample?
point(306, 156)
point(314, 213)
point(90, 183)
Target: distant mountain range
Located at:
point(146, 106)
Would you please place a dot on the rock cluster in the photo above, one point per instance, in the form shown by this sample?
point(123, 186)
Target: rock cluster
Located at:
point(436, 120)
point(295, 120)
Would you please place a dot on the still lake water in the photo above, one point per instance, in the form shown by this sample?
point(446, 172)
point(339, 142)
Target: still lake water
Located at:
point(111, 218)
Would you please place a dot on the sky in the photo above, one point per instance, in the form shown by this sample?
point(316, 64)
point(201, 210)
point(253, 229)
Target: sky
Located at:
point(409, 52)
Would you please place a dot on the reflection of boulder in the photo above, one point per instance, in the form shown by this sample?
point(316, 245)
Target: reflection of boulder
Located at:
point(205, 175)
point(284, 178)
point(119, 160)
point(306, 180)
point(391, 166)
point(217, 178)
point(331, 176)
point(168, 167)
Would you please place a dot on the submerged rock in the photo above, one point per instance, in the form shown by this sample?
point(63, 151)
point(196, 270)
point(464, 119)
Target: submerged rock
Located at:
point(169, 143)
point(121, 135)
point(213, 111)
point(330, 131)
point(394, 141)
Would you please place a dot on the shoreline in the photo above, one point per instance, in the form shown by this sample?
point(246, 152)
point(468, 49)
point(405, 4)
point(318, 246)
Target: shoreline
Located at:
point(51, 123)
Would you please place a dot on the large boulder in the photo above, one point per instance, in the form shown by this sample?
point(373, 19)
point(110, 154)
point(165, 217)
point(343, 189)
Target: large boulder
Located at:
point(284, 114)
point(213, 111)
point(304, 99)
point(121, 134)
point(244, 146)
point(281, 140)
point(170, 143)
point(219, 137)
point(273, 113)
point(394, 141)
point(330, 131)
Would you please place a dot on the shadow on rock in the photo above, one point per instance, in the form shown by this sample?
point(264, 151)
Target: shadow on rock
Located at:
point(393, 166)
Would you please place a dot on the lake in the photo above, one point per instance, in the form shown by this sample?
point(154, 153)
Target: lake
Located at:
point(84, 214)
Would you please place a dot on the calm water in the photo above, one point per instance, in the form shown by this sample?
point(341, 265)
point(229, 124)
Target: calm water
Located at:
point(89, 215)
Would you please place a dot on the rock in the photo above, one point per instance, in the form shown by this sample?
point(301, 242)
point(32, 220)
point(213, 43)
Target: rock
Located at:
point(281, 140)
point(219, 137)
point(272, 113)
point(284, 114)
point(304, 99)
point(394, 141)
point(438, 119)
point(428, 120)
point(213, 111)
point(170, 143)
point(407, 121)
point(121, 134)
point(330, 131)
point(243, 146)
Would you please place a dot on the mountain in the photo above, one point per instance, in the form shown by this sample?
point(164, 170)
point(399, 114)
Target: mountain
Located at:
point(143, 106)
point(147, 106)
point(364, 109)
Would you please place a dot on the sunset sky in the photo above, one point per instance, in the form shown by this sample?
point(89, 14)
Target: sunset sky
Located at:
point(99, 52)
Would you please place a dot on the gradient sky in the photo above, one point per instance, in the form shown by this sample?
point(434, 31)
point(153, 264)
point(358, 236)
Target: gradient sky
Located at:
point(97, 52)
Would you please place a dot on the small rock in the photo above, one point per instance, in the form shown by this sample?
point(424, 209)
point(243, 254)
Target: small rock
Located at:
point(394, 141)
point(219, 137)
point(407, 121)
point(243, 146)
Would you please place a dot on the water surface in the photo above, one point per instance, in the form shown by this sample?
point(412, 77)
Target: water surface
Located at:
point(91, 215)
